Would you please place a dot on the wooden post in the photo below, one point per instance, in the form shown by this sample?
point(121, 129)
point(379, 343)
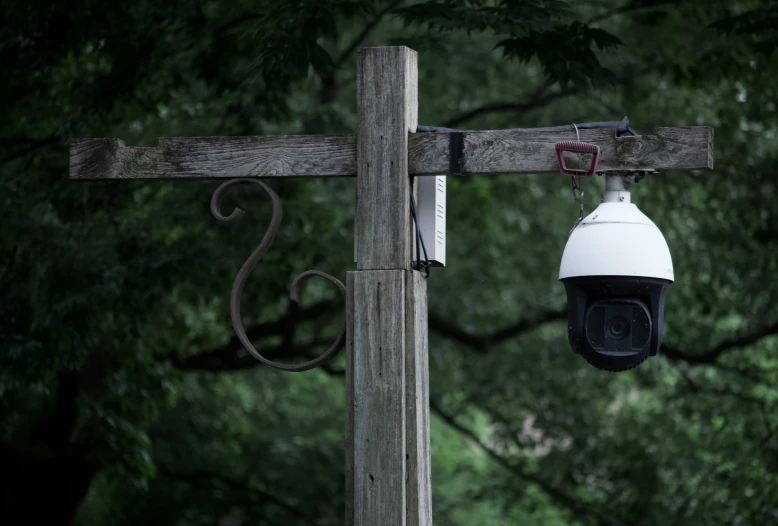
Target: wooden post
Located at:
point(388, 457)
point(388, 474)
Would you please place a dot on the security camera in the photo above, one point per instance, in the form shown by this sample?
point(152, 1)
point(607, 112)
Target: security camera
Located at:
point(616, 268)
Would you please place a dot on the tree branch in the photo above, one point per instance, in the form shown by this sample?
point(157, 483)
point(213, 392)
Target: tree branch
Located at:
point(631, 8)
point(33, 145)
point(538, 99)
point(197, 479)
point(579, 508)
point(482, 342)
point(225, 358)
point(696, 388)
point(329, 88)
point(712, 355)
point(354, 44)
point(245, 17)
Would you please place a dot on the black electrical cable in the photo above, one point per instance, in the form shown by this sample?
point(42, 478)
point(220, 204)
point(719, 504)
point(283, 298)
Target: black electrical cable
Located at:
point(415, 265)
point(621, 126)
point(419, 239)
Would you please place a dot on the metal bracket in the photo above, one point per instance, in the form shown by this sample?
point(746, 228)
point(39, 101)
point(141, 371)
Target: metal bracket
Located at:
point(251, 262)
point(456, 152)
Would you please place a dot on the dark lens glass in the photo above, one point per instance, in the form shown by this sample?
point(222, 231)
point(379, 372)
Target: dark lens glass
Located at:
point(641, 328)
point(617, 328)
point(595, 327)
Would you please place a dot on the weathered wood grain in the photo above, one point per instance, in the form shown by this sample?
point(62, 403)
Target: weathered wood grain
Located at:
point(532, 151)
point(388, 425)
point(386, 113)
point(378, 398)
point(215, 157)
point(486, 152)
point(349, 385)
point(417, 413)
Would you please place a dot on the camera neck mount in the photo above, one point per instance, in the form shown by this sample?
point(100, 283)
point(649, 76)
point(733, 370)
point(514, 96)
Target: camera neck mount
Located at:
point(617, 188)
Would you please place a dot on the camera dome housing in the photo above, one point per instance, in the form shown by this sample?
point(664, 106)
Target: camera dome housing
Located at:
point(616, 267)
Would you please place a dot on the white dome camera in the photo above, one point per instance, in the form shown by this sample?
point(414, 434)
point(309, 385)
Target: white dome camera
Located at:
point(616, 268)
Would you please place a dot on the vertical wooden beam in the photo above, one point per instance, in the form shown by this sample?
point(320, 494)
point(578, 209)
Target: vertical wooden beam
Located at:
point(378, 396)
point(349, 384)
point(386, 113)
point(387, 465)
point(417, 414)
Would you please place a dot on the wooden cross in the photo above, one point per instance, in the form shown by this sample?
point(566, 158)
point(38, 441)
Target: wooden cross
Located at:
point(388, 449)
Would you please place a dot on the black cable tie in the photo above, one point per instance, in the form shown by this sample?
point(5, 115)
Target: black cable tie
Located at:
point(456, 152)
point(623, 126)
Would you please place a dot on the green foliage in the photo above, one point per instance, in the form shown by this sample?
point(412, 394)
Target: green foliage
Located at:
point(544, 29)
point(760, 25)
point(574, 42)
point(124, 397)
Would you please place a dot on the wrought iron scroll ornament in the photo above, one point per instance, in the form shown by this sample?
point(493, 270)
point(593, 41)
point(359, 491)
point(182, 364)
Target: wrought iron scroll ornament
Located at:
point(251, 262)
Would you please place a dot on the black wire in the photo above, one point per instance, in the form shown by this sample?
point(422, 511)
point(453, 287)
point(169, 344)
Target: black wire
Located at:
point(416, 227)
point(419, 240)
point(621, 126)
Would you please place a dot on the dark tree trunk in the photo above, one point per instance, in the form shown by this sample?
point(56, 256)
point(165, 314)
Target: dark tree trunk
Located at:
point(45, 480)
point(43, 487)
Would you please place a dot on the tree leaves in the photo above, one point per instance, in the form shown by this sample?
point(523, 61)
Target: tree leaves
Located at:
point(534, 29)
point(566, 54)
point(760, 26)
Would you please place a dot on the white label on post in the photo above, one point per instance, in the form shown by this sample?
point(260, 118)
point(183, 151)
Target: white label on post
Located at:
point(432, 217)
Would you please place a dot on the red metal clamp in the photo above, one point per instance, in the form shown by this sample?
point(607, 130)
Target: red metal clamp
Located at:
point(577, 147)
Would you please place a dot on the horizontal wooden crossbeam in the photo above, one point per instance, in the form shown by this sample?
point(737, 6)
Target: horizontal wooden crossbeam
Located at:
point(532, 151)
point(484, 152)
point(216, 157)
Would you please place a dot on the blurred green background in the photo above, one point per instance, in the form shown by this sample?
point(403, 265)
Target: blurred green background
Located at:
point(125, 398)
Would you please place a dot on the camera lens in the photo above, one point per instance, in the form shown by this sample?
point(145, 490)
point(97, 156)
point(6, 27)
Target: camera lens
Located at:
point(617, 328)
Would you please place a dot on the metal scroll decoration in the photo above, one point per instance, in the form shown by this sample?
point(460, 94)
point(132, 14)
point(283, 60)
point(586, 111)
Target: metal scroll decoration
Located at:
point(251, 262)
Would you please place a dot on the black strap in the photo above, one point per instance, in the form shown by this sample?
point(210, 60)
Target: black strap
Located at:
point(456, 152)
